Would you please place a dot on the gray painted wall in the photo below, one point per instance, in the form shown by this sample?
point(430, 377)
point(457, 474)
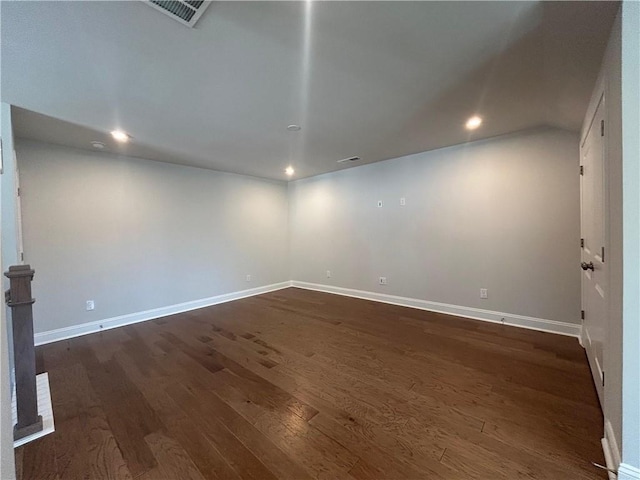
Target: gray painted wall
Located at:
point(9, 216)
point(631, 199)
point(501, 214)
point(134, 234)
point(7, 245)
point(612, 353)
point(9, 205)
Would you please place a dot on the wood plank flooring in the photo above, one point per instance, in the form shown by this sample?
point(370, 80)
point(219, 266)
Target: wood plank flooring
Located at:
point(297, 384)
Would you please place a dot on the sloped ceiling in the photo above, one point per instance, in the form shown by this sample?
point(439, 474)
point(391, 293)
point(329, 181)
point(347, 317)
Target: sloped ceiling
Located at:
point(373, 79)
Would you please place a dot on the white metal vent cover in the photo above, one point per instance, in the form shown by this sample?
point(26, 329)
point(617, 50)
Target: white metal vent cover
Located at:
point(186, 12)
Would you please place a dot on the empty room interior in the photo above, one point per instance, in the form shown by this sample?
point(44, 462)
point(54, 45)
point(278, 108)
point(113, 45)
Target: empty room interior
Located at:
point(320, 240)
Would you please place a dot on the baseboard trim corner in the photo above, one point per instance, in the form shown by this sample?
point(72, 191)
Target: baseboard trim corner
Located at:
point(628, 472)
point(531, 323)
point(122, 320)
point(610, 447)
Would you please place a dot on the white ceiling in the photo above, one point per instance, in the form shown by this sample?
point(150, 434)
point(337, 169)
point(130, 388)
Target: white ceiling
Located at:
point(373, 79)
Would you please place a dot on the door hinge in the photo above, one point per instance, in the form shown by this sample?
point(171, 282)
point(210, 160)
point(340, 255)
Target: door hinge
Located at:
point(18, 191)
point(581, 169)
point(582, 243)
point(582, 314)
point(602, 128)
point(602, 254)
point(22, 256)
point(603, 378)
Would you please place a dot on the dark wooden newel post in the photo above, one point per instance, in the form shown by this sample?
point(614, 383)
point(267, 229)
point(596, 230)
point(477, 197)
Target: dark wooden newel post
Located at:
point(19, 299)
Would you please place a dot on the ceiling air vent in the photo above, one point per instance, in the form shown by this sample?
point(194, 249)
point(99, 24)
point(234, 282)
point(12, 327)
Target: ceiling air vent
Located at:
point(350, 159)
point(186, 12)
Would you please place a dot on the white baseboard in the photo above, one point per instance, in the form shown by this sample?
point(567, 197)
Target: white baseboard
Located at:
point(628, 472)
point(532, 323)
point(108, 323)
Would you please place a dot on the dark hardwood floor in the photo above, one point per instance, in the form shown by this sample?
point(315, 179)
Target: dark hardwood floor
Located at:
point(297, 384)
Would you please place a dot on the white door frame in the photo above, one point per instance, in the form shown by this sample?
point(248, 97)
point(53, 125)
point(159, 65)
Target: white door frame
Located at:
point(598, 366)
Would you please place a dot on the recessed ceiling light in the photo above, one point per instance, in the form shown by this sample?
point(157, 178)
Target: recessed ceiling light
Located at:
point(98, 145)
point(474, 122)
point(120, 136)
point(289, 170)
point(294, 128)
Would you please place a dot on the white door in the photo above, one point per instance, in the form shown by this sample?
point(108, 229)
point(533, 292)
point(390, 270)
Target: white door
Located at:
point(593, 227)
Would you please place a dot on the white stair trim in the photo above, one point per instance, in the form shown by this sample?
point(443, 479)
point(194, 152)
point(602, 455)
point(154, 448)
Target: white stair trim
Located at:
point(44, 409)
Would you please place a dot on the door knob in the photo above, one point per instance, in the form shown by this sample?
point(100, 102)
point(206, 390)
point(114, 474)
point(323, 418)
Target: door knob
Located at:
point(587, 266)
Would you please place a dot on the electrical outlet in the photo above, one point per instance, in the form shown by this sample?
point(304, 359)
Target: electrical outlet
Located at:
point(484, 293)
point(328, 273)
point(383, 280)
point(403, 201)
point(248, 278)
point(91, 305)
point(379, 203)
